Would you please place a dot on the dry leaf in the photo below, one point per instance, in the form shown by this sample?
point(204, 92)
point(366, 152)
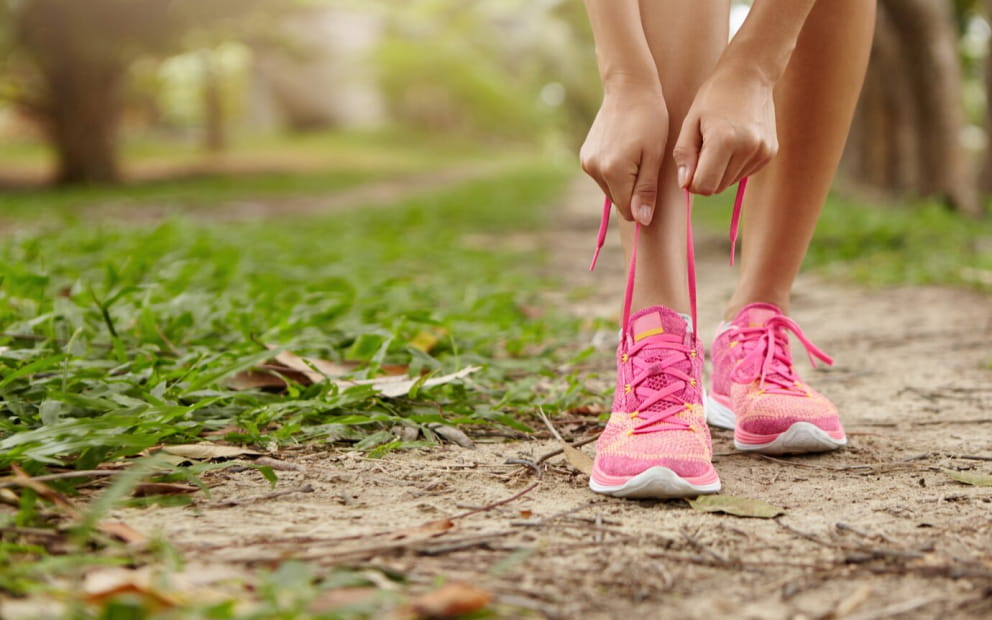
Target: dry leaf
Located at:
point(303, 365)
point(964, 477)
point(277, 464)
point(103, 585)
point(208, 451)
point(427, 530)
point(308, 370)
point(450, 601)
point(737, 506)
point(391, 387)
point(122, 531)
point(452, 434)
point(256, 380)
point(144, 489)
point(577, 459)
point(22, 479)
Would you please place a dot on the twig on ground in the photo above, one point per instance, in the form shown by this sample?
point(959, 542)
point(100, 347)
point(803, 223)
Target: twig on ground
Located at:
point(554, 453)
point(488, 507)
point(531, 464)
point(551, 427)
point(306, 488)
point(896, 609)
point(67, 475)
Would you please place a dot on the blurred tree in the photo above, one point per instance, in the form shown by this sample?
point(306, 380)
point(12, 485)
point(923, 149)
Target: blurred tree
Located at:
point(906, 133)
point(491, 68)
point(80, 52)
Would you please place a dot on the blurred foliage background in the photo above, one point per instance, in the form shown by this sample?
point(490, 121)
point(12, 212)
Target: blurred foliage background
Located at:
point(93, 90)
point(105, 91)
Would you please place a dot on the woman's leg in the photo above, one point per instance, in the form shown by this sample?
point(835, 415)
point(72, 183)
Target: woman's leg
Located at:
point(815, 102)
point(685, 38)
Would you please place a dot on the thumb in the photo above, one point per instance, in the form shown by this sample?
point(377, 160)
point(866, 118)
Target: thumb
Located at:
point(686, 152)
point(645, 192)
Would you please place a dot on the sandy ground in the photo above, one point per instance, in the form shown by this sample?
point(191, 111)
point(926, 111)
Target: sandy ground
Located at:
point(876, 530)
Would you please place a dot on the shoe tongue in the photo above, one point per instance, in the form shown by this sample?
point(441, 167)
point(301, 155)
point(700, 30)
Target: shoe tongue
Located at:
point(756, 315)
point(654, 321)
point(657, 320)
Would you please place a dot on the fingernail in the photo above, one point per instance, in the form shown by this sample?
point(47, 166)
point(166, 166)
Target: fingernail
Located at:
point(644, 214)
point(682, 173)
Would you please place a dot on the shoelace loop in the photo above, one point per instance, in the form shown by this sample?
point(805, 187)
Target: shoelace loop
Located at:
point(769, 344)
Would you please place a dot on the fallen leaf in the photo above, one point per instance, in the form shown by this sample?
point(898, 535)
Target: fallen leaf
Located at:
point(306, 366)
point(144, 489)
point(737, 506)
point(22, 479)
point(427, 530)
point(256, 380)
point(391, 387)
point(451, 600)
point(577, 459)
point(277, 464)
point(309, 370)
point(208, 451)
point(964, 477)
point(452, 434)
point(103, 585)
point(122, 531)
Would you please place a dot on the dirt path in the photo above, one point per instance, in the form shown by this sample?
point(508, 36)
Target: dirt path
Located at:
point(877, 530)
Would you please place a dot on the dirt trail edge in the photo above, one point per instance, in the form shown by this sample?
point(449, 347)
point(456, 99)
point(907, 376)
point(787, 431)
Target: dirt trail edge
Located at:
point(877, 530)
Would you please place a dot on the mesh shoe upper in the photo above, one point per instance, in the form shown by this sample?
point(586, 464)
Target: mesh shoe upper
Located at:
point(753, 374)
point(657, 417)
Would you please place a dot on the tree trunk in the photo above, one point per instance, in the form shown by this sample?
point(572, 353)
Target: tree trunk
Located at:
point(83, 75)
point(985, 181)
point(907, 127)
point(215, 136)
point(84, 112)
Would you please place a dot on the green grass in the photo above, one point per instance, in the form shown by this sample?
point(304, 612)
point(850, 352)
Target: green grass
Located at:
point(118, 339)
point(887, 244)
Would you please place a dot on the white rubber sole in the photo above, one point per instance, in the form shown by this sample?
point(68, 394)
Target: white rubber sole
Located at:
point(718, 415)
point(801, 437)
point(656, 483)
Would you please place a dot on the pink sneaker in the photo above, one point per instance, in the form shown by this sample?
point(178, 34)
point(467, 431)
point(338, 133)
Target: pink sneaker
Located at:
point(757, 393)
point(656, 443)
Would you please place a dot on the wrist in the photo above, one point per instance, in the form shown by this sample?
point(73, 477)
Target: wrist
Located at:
point(625, 81)
point(761, 69)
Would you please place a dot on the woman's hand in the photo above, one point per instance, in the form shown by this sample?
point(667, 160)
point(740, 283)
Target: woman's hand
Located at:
point(729, 132)
point(625, 147)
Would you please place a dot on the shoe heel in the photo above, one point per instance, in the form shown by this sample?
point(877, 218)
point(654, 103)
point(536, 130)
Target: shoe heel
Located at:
point(717, 414)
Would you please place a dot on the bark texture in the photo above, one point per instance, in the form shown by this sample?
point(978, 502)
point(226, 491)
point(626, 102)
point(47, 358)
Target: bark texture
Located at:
point(905, 137)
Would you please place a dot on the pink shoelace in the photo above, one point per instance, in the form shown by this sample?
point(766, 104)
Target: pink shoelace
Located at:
point(690, 249)
point(644, 370)
point(769, 344)
point(647, 397)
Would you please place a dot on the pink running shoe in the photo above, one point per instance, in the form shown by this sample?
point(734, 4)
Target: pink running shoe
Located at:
point(757, 393)
point(656, 443)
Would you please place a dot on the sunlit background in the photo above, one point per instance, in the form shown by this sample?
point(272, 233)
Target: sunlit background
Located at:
point(109, 91)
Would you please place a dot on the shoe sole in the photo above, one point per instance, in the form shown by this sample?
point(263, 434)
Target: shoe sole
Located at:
point(655, 483)
point(801, 437)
